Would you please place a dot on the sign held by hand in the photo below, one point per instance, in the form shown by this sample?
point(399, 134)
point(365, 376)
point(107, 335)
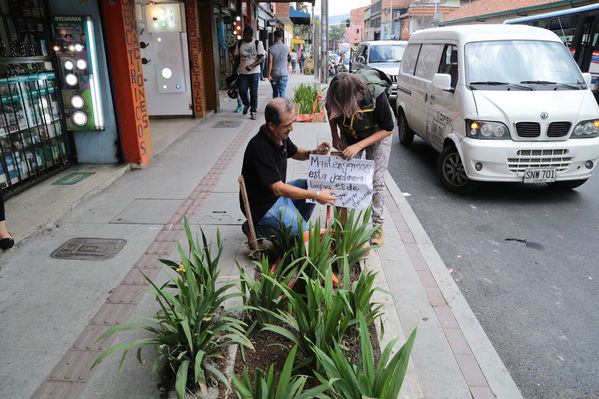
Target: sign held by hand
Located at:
point(350, 180)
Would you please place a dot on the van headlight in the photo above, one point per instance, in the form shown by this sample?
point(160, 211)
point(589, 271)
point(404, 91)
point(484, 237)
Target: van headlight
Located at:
point(487, 130)
point(586, 129)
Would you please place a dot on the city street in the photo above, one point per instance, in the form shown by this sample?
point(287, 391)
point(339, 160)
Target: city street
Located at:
point(525, 260)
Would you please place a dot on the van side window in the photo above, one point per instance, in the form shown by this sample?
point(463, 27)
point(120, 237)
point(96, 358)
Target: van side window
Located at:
point(408, 62)
point(449, 63)
point(428, 60)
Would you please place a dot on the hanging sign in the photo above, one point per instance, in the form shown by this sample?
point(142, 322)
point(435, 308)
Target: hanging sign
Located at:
point(350, 180)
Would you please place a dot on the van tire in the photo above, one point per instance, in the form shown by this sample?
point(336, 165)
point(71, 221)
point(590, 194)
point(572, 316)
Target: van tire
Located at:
point(406, 135)
point(452, 174)
point(566, 185)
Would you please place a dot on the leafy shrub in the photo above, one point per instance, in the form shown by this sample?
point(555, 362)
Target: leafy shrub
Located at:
point(319, 317)
point(366, 380)
point(191, 330)
point(305, 95)
point(265, 386)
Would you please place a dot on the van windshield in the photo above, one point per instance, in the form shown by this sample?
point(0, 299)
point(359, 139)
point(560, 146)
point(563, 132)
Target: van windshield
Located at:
point(386, 53)
point(521, 65)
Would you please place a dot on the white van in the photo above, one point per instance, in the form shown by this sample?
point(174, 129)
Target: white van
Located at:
point(500, 103)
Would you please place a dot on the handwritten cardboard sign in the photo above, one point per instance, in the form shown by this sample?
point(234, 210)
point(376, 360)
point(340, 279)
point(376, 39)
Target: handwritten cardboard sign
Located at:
point(350, 180)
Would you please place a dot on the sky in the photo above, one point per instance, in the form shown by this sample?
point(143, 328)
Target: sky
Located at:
point(338, 7)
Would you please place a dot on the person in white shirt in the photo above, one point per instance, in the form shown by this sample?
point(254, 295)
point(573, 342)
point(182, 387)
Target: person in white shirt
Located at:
point(249, 54)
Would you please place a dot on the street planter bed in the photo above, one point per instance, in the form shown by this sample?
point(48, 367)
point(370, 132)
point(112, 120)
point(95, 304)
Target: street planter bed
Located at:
point(308, 104)
point(301, 326)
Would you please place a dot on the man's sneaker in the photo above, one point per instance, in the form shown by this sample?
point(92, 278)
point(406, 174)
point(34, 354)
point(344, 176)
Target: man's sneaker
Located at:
point(378, 237)
point(253, 116)
point(238, 109)
point(245, 109)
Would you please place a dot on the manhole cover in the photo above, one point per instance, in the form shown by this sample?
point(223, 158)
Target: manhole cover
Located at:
point(226, 124)
point(89, 249)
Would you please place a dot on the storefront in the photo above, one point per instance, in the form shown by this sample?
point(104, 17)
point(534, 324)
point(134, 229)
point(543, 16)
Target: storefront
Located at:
point(34, 142)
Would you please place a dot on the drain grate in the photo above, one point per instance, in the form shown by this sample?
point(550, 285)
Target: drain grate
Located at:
point(227, 124)
point(89, 249)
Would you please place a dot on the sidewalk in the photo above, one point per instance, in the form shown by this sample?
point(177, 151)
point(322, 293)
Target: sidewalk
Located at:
point(52, 309)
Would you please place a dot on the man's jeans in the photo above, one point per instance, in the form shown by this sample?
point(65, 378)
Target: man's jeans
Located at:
point(285, 209)
point(279, 85)
point(249, 81)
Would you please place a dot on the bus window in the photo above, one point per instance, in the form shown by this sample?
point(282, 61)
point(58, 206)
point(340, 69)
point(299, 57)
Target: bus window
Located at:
point(564, 27)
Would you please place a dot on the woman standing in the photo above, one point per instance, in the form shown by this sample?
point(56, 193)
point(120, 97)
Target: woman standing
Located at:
point(6, 240)
point(360, 118)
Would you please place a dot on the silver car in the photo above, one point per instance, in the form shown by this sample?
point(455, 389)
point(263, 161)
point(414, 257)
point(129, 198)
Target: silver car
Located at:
point(384, 55)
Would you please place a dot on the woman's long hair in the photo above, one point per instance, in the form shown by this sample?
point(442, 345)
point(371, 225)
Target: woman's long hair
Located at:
point(345, 95)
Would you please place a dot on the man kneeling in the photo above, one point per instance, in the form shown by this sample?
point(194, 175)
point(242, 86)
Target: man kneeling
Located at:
point(264, 171)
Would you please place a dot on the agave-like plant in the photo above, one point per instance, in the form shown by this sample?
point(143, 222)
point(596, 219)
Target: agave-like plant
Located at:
point(382, 380)
point(318, 317)
point(263, 296)
point(352, 236)
point(191, 329)
point(265, 386)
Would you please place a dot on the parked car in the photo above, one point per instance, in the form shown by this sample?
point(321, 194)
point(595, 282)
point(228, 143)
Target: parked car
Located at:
point(384, 55)
point(501, 103)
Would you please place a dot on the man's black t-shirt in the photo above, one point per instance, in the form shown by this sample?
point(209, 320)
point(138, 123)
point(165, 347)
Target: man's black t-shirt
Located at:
point(264, 163)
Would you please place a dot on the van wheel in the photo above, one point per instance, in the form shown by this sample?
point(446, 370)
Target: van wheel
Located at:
point(566, 185)
point(452, 174)
point(406, 135)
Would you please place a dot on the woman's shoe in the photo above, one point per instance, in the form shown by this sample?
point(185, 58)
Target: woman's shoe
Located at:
point(7, 243)
point(238, 109)
point(378, 237)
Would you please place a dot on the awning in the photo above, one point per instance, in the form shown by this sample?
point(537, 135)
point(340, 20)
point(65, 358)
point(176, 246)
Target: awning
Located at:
point(299, 17)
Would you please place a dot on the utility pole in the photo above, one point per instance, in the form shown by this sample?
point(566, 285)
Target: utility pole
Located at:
point(316, 46)
point(324, 44)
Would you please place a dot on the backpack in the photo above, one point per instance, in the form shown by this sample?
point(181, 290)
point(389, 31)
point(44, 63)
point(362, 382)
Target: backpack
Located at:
point(377, 81)
point(238, 56)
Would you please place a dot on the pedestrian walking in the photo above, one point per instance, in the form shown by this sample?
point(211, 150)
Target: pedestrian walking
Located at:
point(249, 54)
point(278, 66)
point(264, 170)
point(293, 60)
point(365, 121)
point(300, 60)
point(6, 240)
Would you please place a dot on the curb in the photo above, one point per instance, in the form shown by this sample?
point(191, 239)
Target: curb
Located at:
point(411, 388)
point(497, 375)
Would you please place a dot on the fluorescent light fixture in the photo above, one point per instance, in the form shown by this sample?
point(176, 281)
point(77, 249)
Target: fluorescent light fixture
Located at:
point(77, 101)
point(71, 79)
point(164, 86)
point(81, 64)
point(68, 65)
point(79, 118)
point(158, 39)
point(93, 80)
point(78, 47)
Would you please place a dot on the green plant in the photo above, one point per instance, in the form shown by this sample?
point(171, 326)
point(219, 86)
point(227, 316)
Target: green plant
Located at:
point(318, 317)
point(265, 386)
point(382, 380)
point(191, 329)
point(263, 296)
point(360, 292)
point(305, 95)
point(352, 237)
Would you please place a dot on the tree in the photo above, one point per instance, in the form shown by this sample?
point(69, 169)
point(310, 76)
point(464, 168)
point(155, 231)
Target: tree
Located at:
point(337, 32)
point(302, 31)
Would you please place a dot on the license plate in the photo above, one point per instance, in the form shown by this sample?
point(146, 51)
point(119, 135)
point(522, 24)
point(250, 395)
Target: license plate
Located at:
point(540, 175)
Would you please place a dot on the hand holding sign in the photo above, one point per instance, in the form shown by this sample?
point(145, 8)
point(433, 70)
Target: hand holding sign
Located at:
point(349, 180)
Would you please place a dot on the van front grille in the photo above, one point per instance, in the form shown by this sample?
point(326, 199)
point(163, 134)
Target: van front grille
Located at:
point(393, 78)
point(530, 159)
point(528, 129)
point(558, 129)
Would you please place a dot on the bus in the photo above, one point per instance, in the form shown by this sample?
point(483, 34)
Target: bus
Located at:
point(578, 28)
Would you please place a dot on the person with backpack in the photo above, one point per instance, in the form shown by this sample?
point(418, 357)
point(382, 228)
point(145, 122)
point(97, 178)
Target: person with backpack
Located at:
point(361, 120)
point(249, 54)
